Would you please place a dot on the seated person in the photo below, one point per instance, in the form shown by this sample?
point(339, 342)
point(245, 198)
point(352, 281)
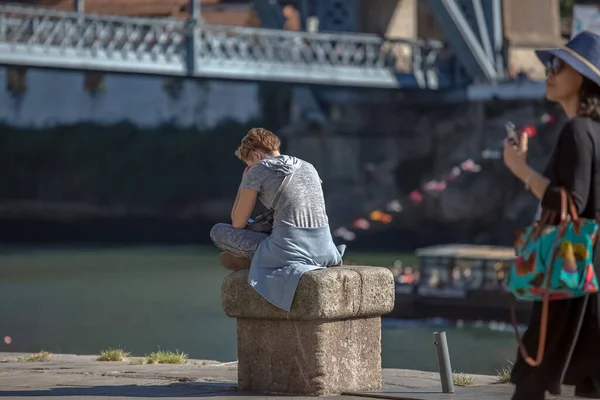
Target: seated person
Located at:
point(301, 239)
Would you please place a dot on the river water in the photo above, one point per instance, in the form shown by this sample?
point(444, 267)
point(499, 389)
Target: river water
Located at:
point(83, 300)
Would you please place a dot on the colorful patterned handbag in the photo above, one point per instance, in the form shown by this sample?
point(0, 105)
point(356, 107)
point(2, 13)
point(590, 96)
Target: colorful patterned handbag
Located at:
point(553, 262)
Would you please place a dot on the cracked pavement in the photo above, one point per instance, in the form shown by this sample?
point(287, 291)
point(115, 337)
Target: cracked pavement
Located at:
point(81, 377)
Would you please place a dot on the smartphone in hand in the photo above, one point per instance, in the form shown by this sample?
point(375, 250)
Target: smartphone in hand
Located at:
point(511, 133)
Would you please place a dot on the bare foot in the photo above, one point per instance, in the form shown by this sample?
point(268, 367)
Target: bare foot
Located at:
point(233, 262)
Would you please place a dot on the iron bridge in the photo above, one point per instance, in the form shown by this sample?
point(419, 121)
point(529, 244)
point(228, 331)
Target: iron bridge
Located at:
point(43, 37)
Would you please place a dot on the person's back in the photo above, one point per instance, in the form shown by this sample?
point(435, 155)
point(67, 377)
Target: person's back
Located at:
point(302, 204)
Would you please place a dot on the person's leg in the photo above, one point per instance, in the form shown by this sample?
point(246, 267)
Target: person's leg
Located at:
point(588, 388)
point(584, 371)
point(233, 262)
point(527, 394)
point(239, 244)
point(532, 382)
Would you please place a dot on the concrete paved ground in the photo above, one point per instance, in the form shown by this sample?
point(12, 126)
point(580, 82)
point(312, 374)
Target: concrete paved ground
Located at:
point(83, 378)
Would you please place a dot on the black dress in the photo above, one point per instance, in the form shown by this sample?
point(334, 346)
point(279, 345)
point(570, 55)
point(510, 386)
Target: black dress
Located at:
point(574, 165)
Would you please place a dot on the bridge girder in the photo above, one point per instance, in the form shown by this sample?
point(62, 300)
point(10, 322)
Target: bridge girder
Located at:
point(474, 30)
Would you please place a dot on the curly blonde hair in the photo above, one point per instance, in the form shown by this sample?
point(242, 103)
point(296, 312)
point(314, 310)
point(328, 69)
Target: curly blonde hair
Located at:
point(257, 139)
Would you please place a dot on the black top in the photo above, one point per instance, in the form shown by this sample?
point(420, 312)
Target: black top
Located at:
point(573, 167)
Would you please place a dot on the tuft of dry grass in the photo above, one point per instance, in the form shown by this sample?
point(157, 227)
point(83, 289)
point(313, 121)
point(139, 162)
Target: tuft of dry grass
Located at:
point(42, 356)
point(111, 354)
point(462, 379)
point(504, 373)
point(166, 357)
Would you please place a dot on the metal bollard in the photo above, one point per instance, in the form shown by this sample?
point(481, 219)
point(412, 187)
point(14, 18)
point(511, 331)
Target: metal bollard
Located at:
point(443, 359)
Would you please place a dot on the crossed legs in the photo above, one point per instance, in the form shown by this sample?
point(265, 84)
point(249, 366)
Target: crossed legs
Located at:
point(238, 245)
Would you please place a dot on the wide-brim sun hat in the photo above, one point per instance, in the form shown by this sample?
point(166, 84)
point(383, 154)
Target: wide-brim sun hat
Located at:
point(582, 53)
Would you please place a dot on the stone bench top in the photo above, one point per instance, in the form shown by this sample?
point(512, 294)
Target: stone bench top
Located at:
point(325, 294)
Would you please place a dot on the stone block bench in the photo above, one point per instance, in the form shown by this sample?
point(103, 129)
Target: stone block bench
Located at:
point(330, 341)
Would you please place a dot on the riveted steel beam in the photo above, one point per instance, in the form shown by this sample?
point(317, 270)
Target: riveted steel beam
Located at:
point(473, 48)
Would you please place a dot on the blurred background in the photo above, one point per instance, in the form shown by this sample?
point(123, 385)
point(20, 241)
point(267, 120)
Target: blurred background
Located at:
point(119, 120)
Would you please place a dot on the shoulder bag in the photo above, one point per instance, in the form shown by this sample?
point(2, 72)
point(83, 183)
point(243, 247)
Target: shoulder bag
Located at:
point(553, 262)
point(264, 222)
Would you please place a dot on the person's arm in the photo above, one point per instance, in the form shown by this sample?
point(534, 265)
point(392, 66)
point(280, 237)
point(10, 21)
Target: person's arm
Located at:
point(573, 165)
point(247, 195)
point(537, 182)
point(235, 203)
point(243, 209)
point(237, 196)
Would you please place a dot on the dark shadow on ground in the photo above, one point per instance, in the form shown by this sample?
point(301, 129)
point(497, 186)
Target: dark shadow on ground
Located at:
point(179, 389)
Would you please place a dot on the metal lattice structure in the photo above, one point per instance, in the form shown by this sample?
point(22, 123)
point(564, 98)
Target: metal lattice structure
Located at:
point(41, 37)
point(474, 29)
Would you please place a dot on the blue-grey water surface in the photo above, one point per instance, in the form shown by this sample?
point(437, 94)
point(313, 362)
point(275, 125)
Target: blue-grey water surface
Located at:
point(83, 300)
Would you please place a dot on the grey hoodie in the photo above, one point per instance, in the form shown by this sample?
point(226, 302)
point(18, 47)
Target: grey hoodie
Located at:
point(301, 240)
point(301, 204)
point(283, 165)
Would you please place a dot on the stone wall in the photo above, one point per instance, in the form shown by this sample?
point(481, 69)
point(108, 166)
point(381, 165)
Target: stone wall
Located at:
point(393, 153)
point(377, 154)
point(393, 19)
point(54, 98)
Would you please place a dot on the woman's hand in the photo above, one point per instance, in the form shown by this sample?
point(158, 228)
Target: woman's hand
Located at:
point(515, 157)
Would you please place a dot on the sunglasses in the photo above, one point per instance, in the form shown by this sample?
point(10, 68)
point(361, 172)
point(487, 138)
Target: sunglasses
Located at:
point(554, 66)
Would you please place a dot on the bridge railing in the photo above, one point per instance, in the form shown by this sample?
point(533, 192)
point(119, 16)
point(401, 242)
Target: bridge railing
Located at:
point(50, 38)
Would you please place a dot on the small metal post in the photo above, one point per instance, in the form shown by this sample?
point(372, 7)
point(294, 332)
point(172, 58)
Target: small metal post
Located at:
point(192, 35)
point(79, 5)
point(194, 6)
point(304, 13)
point(443, 359)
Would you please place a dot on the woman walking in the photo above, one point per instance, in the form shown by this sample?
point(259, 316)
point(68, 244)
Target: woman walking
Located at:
point(573, 79)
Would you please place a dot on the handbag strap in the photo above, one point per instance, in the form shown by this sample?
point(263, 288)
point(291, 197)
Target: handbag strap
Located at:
point(281, 189)
point(564, 200)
